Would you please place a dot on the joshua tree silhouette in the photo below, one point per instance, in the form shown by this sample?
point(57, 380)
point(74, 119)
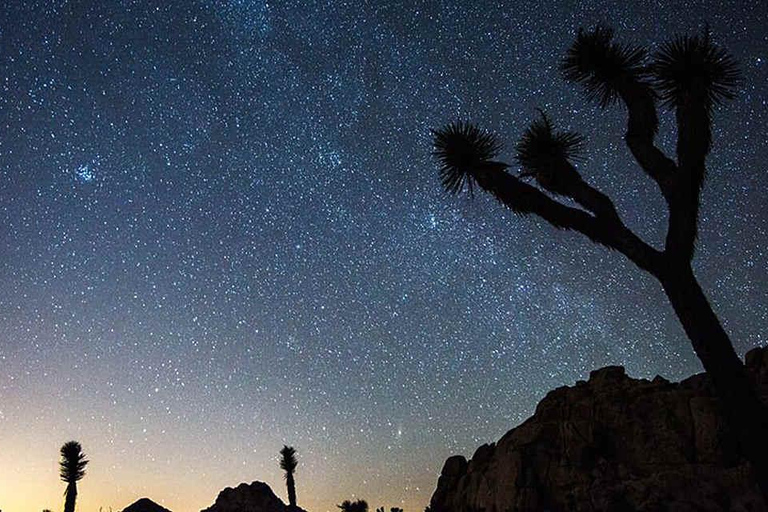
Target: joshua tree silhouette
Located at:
point(691, 76)
point(353, 506)
point(288, 464)
point(72, 470)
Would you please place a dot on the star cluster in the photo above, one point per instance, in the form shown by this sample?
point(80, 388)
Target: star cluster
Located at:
point(221, 230)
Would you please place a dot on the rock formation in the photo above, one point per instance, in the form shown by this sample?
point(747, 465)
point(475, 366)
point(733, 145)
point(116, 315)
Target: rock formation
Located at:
point(145, 505)
point(613, 443)
point(254, 497)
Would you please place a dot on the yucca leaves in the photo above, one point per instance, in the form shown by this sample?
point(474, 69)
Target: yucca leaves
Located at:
point(695, 67)
point(601, 65)
point(685, 66)
point(73, 462)
point(462, 149)
point(546, 154)
point(288, 461)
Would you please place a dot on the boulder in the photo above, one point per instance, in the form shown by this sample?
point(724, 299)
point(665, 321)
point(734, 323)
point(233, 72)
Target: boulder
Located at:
point(253, 497)
point(612, 443)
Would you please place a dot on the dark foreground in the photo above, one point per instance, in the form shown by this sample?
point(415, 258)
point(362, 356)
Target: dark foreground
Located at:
point(613, 443)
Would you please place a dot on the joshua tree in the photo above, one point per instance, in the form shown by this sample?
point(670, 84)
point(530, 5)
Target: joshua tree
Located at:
point(72, 470)
point(691, 76)
point(288, 464)
point(354, 506)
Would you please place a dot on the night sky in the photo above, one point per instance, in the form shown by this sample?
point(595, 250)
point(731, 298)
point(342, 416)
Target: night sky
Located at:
point(221, 230)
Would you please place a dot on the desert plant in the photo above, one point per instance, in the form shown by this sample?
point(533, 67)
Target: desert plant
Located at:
point(72, 470)
point(353, 506)
point(690, 75)
point(288, 463)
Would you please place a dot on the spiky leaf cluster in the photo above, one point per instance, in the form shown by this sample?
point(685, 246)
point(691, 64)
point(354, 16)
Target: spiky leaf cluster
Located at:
point(601, 65)
point(462, 149)
point(693, 66)
point(542, 149)
point(288, 461)
point(73, 462)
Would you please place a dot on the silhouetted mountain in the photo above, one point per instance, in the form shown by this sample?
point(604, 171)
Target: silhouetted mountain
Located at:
point(612, 443)
point(145, 505)
point(253, 497)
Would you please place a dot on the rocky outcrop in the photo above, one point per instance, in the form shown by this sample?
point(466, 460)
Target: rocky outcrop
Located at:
point(253, 497)
point(145, 505)
point(613, 443)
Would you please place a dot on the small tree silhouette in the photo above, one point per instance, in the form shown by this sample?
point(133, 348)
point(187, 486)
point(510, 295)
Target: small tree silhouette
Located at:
point(288, 463)
point(72, 470)
point(353, 506)
point(690, 75)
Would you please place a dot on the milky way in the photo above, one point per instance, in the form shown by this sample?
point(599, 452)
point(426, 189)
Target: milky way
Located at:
point(221, 230)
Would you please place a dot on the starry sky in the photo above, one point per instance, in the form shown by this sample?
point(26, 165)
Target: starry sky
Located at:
point(221, 230)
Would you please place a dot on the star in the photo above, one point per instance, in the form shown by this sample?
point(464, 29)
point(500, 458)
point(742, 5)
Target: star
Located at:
point(223, 231)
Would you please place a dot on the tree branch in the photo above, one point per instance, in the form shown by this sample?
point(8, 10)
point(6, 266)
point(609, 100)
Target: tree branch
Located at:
point(604, 227)
point(694, 139)
point(642, 126)
point(587, 196)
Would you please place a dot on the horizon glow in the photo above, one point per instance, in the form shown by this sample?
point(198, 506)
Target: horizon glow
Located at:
point(221, 231)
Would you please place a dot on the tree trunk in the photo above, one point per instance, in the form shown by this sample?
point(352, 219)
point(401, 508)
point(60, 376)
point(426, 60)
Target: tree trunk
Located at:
point(745, 413)
point(291, 484)
point(70, 495)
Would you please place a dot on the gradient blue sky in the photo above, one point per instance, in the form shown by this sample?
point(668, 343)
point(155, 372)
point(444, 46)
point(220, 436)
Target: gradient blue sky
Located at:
point(221, 231)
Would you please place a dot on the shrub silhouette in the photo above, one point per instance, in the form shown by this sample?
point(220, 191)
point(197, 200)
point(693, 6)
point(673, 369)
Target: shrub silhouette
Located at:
point(72, 470)
point(353, 506)
point(691, 76)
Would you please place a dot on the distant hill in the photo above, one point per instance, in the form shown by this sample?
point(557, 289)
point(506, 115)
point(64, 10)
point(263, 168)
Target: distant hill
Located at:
point(145, 505)
point(613, 443)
